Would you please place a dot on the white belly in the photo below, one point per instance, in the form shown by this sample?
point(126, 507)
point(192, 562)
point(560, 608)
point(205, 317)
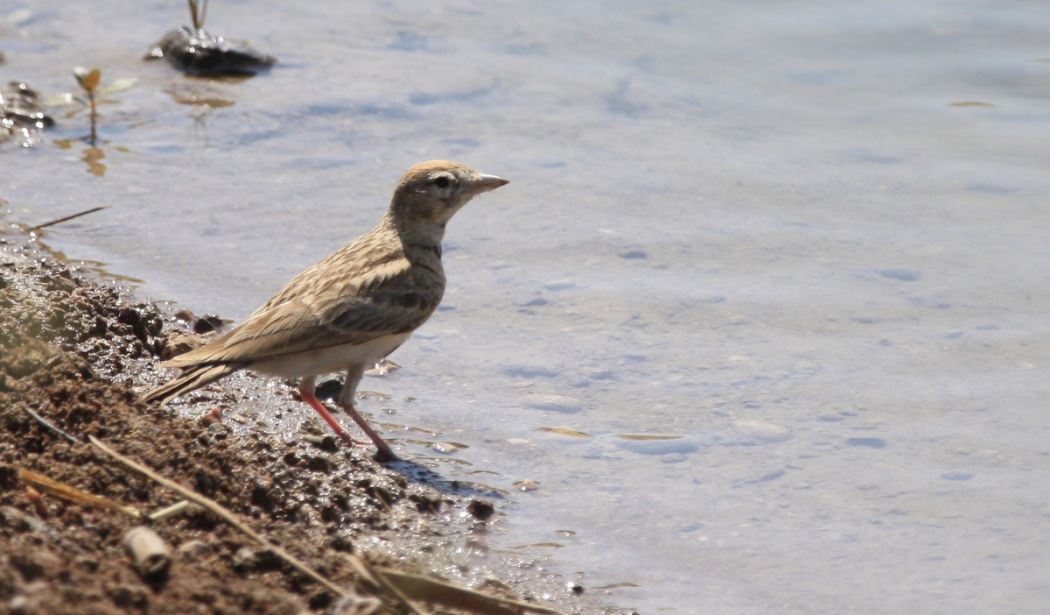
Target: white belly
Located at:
point(334, 359)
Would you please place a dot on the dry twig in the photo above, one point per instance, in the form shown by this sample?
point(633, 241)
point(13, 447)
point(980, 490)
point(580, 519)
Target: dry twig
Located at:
point(67, 218)
point(170, 511)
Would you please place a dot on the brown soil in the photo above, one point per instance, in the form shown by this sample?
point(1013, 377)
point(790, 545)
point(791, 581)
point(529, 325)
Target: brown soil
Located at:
point(70, 350)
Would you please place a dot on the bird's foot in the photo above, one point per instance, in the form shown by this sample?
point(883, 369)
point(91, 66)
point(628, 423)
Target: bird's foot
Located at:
point(385, 454)
point(383, 450)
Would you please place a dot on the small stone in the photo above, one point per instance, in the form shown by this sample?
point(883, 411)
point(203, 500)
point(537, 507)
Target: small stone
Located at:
point(19, 605)
point(207, 324)
point(264, 497)
point(329, 389)
point(357, 605)
point(527, 485)
point(243, 560)
point(193, 549)
point(444, 447)
point(481, 509)
point(130, 317)
point(211, 417)
point(178, 342)
point(130, 596)
point(318, 463)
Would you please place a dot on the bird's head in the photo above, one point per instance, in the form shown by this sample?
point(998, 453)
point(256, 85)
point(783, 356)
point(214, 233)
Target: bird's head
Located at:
point(430, 193)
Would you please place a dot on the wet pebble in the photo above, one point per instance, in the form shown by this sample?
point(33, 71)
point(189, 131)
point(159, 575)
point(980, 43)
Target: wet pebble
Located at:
point(330, 514)
point(481, 509)
point(425, 504)
point(325, 443)
point(527, 485)
point(329, 389)
point(318, 463)
point(211, 417)
point(130, 317)
point(265, 497)
point(445, 448)
point(207, 324)
point(178, 342)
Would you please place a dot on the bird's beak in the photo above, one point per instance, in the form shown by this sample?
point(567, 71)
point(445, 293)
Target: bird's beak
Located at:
point(484, 183)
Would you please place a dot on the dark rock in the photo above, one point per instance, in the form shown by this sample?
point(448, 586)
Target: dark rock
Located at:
point(199, 53)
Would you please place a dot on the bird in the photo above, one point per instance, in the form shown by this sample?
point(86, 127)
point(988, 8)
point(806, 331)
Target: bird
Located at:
point(351, 309)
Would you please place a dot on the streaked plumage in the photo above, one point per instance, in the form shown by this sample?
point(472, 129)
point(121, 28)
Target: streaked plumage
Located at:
point(352, 308)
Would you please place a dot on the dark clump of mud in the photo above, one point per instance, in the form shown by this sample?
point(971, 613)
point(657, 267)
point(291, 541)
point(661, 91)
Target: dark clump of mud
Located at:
point(70, 350)
point(21, 115)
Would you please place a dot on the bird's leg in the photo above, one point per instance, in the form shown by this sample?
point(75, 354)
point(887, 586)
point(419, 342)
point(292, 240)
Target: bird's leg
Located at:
point(384, 452)
point(306, 392)
point(346, 402)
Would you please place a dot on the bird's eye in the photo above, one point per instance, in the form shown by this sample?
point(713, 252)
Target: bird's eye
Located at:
point(441, 182)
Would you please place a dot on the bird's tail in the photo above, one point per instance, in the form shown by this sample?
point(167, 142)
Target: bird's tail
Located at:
point(193, 378)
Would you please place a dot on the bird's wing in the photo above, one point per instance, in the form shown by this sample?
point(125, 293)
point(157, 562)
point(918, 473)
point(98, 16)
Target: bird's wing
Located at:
point(315, 312)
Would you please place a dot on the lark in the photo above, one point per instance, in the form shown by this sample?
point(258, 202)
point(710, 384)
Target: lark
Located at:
point(351, 309)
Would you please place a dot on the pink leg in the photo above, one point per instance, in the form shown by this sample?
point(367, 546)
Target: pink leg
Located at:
point(384, 452)
point(316, 404)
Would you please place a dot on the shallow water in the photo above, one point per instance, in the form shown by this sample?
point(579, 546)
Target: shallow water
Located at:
point(805, 246)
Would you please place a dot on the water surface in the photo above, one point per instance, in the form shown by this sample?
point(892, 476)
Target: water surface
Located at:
point(763, 312)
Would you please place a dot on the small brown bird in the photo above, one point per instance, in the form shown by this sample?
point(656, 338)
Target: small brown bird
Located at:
point(354, 307)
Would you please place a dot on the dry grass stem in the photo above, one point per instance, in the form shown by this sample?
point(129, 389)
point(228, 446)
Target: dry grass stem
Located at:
point(71, 494)
point(50, 425)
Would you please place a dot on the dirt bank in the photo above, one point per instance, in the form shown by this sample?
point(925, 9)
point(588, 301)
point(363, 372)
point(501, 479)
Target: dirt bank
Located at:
point(71, 351)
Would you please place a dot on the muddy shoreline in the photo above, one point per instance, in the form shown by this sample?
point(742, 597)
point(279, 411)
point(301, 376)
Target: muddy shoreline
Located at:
point(77, 352)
